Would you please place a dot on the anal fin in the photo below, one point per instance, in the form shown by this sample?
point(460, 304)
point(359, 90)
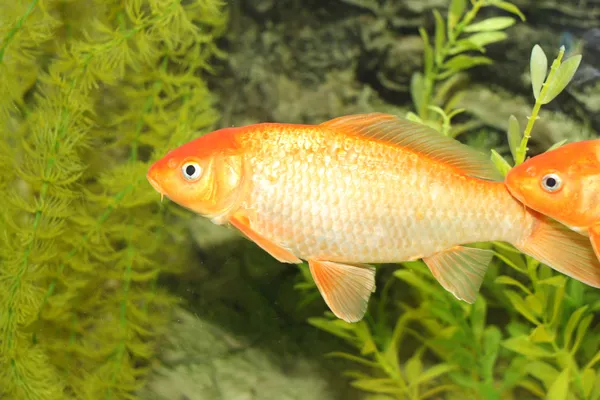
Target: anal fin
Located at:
point(460, 270)
point(279, 253)
point(346, 288)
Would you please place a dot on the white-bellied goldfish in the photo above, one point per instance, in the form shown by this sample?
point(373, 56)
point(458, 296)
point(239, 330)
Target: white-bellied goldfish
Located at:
point(363, 189)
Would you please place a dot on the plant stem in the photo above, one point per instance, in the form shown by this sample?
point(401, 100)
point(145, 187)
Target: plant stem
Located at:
point(522, 150)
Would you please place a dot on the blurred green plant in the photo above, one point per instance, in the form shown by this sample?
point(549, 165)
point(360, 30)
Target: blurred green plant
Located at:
point(90, 92)
point(434, 91)
point(528, 335)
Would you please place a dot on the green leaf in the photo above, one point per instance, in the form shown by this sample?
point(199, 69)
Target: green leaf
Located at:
point(440, 36)
point(351, 357)
point(507, 280)
point(381, 385)
point(480, 40)
point(491, 24)
point(332, 327)
point(417, 91)
point(542, 371)
point(455, 12)
point(562, 77)
point(560, 388)
point(434, 372)
point(514, 135)
point(414, 367)
point(541, 334)
point(538, 69)
point(428, 52)
point(462, 45)
point(588, 378)
point(462, 62)
point(521, 306)
point(581, 330)
point(571, 324)
point(557, 281)
point(511, 8)
point(557, 145)
point(491, 344)
point(522, 345)
point(501, 164)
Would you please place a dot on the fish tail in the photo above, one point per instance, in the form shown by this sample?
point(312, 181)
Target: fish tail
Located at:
point(562, 249)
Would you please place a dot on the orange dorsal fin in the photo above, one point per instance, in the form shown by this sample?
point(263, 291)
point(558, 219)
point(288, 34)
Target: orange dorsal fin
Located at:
point(418, 138)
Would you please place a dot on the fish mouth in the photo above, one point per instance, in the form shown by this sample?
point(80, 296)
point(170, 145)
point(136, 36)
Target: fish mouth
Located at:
point(155, 184)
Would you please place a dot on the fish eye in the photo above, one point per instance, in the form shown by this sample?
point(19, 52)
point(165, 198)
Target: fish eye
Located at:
point(551, 182)
point(191, 171)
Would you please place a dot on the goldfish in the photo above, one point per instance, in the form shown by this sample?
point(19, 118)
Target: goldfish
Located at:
point(360, 190)
point(563, 184)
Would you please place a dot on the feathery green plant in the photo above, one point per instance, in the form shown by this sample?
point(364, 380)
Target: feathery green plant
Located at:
point(90, 92)
point(530, 331)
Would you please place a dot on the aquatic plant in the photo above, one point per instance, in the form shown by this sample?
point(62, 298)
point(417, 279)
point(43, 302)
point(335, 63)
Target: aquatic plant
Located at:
point(90, 92)
point(529, 334)
point(434, 91)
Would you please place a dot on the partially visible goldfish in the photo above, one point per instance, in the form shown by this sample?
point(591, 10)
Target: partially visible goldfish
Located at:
point(363, 189)
point(563, 184)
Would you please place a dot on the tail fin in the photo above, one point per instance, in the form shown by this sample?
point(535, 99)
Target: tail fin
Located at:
point(563, 249)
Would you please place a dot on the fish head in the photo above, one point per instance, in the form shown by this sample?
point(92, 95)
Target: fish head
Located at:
point(203, 175)
point(553, 183)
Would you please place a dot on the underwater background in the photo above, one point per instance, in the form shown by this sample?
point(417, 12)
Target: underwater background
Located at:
point(108, 293)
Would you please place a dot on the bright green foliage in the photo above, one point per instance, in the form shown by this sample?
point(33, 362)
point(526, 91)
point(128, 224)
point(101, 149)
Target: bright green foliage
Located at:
point(435, 91)
point(532, 333)
point(91, 92)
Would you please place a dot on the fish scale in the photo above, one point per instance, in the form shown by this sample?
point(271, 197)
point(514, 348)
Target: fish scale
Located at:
point(317, 204)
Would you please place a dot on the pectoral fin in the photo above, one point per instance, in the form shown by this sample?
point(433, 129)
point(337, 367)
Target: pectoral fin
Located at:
point(279, 253)
point(594, 234)
point(345, 288)
point(460, 270)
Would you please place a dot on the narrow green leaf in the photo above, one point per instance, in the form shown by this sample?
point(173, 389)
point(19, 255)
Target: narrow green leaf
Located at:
point(462, 62)
point(522, 345)
point(507, 280)
point(581, 330)
point(541, 334)
point(501, 164)
point(491, 344)
point(414, 367)
point(562, 77)
point(491, 24)
point(351, 357)
point(521, 306)
point(511, 8)
point(557, 145)
point(462, 45)
point(514, 135)
point(560, 388)
point(588, 378)
point(434, 372)
point(440, 37)
point(543, 371)
point(557, 281)
point(428, 52)
point(455, 12)
point(417, 90)
point(480, 40)
point(571, 324)
point(538, 68)
point(381, 385)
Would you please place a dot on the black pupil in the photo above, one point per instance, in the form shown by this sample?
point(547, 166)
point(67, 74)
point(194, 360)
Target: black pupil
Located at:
point(190, 170)
point(550, 182)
